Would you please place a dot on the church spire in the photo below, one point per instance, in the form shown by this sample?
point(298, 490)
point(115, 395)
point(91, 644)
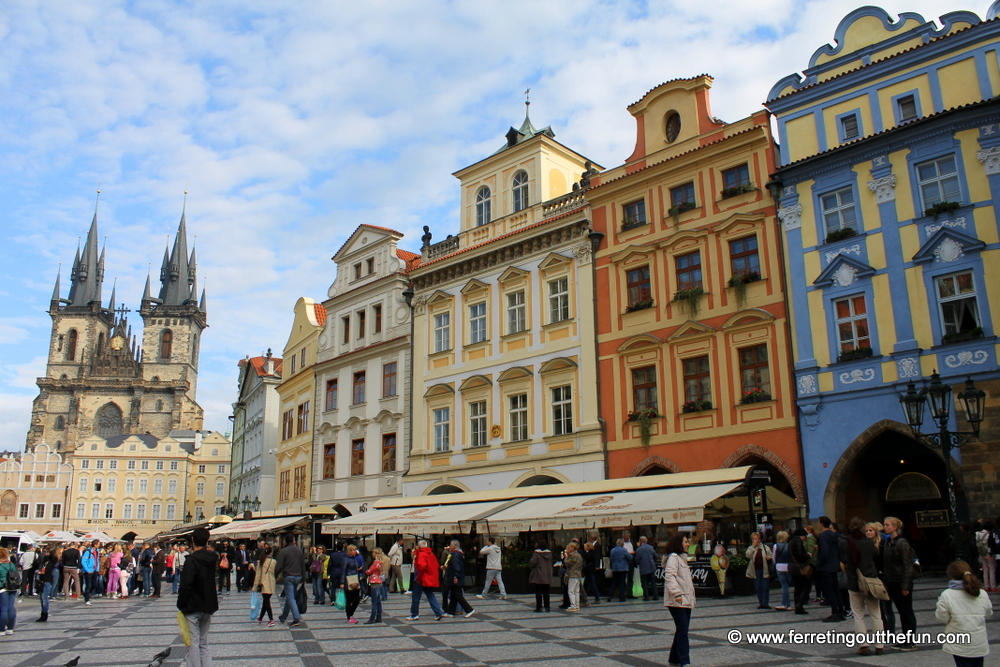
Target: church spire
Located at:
point(178, 273)
point(54, 304)
point(88, 270)
point(111, 302)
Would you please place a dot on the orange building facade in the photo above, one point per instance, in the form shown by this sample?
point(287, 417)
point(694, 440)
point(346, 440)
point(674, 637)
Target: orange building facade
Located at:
point(693, 346)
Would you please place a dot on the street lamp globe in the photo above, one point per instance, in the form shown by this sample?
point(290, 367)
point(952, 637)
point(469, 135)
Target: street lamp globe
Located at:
point(913, 403)
point(973, 402)
point(939, 396)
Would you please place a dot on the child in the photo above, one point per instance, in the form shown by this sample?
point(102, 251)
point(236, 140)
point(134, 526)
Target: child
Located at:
point(963, 607)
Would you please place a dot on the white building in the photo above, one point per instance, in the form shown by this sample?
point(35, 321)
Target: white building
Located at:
point(255, 431)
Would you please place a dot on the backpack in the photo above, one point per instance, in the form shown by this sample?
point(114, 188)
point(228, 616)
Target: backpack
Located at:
point(13, 582)
point(984, 550)
point(224, 562)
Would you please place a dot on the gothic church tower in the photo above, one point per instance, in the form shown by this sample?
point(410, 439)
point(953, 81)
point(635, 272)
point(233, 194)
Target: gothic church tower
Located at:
point(98, 380)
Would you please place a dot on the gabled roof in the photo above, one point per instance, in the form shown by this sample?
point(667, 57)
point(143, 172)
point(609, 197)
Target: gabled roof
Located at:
point(836, 269)
point(412, 259)
point(945, 241)
point(360, 227)
point(320, 313)
point(259, 364)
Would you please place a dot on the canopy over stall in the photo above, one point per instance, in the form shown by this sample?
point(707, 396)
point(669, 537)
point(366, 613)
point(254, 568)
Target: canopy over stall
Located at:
point(59, 536)
point(99, 535)
point(238, 530)
point(415, 521)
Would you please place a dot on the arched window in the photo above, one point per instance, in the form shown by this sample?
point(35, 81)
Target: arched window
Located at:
point(60, 423)
point(520, 188)
point(159, 405)
point(109, 421)
point(483, 207)
point(166, 343)
point(71, 346)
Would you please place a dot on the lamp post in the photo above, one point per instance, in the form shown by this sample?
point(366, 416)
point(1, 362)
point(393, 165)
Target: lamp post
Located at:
point(939, 397)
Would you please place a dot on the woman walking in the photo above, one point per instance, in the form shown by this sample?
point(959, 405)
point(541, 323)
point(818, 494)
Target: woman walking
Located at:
point(8, 612)
point(317, 564)
point(858, 554)
point(758, 554)
point(987, 559)
point(781, 560)
point(800, 569)
point(541, 575)
point(963, 608)
point(376, 572)
point(126, 568)
point(48, 571)
point(114, 571)
point(350, 581)
point(265, 585)
point(678, 597)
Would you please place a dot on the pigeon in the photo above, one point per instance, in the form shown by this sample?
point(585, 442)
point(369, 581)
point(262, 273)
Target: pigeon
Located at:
point(159, 658)
point(73, 663)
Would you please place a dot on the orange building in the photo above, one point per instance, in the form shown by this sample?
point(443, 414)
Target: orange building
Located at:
point(693, 341)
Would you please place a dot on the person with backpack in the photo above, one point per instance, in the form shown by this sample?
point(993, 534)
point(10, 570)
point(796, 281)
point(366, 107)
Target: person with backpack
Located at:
point(963, 608)
point(146, 567)
point(10, 586)
point(987, 560)
point(857, 559)
point(898, 558)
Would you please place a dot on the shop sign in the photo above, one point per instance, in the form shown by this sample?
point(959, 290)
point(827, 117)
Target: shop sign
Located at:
point(912, 486)
point(933, 519)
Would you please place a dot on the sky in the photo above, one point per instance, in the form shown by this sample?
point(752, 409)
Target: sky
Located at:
point(291, 123)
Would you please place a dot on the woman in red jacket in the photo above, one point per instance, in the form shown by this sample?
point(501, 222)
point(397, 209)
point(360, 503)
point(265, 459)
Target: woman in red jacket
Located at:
point(427, 581)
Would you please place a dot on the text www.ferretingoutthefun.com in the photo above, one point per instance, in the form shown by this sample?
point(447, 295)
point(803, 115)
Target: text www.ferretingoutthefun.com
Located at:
point(849, 639)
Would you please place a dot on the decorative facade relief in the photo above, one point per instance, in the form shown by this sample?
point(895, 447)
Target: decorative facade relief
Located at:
point(791, 216)
point(848, 250)
point(807, 385)
point(949, 250)
point(990, 158)
point(966, 357)
point(811, 414)
point(884, 189)
point(857, 375)
point(583, 252)
point(845, 275)
point(908, 367)
point(932, 228)
point(419, 303)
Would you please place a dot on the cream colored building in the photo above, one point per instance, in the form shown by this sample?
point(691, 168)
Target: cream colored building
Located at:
point(35, 490)
point(504, 339)
point(145, 485)
point(297, 395)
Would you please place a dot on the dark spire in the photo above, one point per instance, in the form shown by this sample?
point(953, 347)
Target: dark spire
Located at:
point(55, 292)
point(88, 270)
point(111, 302)
point(177, 275)
point(203, 306)
point(145, 292)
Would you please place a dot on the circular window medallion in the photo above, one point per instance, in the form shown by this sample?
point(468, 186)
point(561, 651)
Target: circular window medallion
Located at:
point(673, 125)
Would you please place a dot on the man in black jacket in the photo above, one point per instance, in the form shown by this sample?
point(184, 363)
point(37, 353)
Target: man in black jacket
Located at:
point(291, 567)
point(197, 599)
point(454, 581)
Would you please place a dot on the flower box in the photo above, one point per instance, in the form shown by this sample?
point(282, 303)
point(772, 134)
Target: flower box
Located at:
point(859, 353)
point(737, 190)
point(841, 234)
point(696, 406)
point(754, 396)
point(962, 336)
point(639, 305)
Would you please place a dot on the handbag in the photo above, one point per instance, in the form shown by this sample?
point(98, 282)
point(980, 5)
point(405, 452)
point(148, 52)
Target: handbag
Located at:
point(340, 600)
point(182, 622)
point(224, 562)
point(805, 571)
point(872, 587)
point(353, 583)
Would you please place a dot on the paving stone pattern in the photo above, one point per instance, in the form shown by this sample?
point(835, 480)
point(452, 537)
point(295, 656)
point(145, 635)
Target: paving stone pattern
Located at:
point(503, 632)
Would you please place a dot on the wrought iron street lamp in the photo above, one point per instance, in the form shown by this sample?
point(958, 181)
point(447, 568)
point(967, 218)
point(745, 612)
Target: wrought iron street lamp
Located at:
point(938, 396)
point(256, 504)
point(188, 517)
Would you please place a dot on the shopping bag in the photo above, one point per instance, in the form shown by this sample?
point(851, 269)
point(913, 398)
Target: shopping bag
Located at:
point(301, 599)
point(182, 621)
point(340, 601)
point(637, 584)
point(256, 600)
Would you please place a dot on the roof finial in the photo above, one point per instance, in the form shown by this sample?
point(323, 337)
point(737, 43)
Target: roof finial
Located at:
point(98, 202)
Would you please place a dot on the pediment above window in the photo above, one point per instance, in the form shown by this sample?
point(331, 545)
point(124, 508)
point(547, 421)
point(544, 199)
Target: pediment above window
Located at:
point(739, 223)
point(475, 382)
point(640, 341)
point(749, 317)
point(439, 390)
point(687, 240)
point(633, 252)
point(554, 260)
point(513, 275)
point(556, 365)
point(843, 271)
point(947, 245)
point(475, 287)
point(692, 328)
point(515, 373)
point(438, 296)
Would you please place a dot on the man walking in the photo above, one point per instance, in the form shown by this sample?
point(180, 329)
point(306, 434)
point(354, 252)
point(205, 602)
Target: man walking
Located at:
point(29, 559)
point(89, 561)
point(158, 566)
point(396, 567)
point(146, 563)
point(71, 570)
point(179, 559)
point(197, 598)
point(291, 564)
point(242, 566)
point(645, 560)
point(493, 568)
point(591, 568)
point(455, 581)
point(630, 548)
point(428, 577)
point(828, 565)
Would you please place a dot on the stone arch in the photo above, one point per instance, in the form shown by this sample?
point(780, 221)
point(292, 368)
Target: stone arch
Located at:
point(443, 488)
point(109, 421)
point(756, 451)
point(651, 462)
point(534, 477)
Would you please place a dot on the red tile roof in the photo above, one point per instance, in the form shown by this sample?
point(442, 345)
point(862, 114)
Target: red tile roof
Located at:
point(681, 78)
point(258, 364)
point(412, 259)
point(320, 313)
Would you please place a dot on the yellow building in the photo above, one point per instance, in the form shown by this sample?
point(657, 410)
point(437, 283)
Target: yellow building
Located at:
point(146, 485)
point(35, 491)
point(297, 396)
point(503, 337)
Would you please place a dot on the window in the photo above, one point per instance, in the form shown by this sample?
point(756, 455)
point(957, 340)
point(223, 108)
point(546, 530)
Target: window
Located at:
point(358, 457)
point(127, 511)
point(157, 486)
point(173, 465)
point(144, 465)
point(200, 489)
point(754, 372)
point(743, 256)
point(71, 348)
point(84, 464)
point(113, 465)
point(131, 465)
point(293, 363)
point(171, 512)
point(697, 380)
point(672, 126)
point(849, 127)
point(166, 344)
point(637, 281)
point(518, 417)
point(689, 270)
point(442, 429)
point(81, 510)
point(516, 315)
point(389, 452)
point(140, 512)
point(84, 484)
point(907, 107)
point(559, 300)
point(331, 394)
point(483, 212)
point(302, 358)
point(520, 190)
point(838, 210)
point(222, 469)
point(442, 332)
point(130, 485)
point(109, 511)
point(159, 465)
point(477, 323)
point(389, 379)
point(300, 482)
point(287, 424)
point(957, 300)
point(201, 468)
point(285, 485)
point(302, 419)
point(56, 510)
point(357, 271)
point(112, 484)
point(109, 421)
point(329, 461)
point(40, 510)
point(171, 486)
point(682, 194)
point(23, 511)
point(939, 181)
point(634, 214)
point(95, 510)
point(852, 323)
point(736, 176)
point(477, 424)
point(345, 323)
point(60, 423)
point(377, 327)
point(361, 323)
point(370, 265)
point(220, 488)
point(562, 411)
point(644, 388)
point(359, 388)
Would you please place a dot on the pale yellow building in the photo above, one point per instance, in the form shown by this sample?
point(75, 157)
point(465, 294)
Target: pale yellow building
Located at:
point(504, 338)
point(297, 395)
point(35, 490)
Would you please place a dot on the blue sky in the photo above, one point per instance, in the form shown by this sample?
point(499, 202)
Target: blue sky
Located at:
point(292, 123)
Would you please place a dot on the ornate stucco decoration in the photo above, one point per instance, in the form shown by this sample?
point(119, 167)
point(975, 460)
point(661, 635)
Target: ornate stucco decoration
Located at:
point(908, 367)
point(845, 275)
point(419, 303)
point(807, 385)
point(990, 158)
point(791, 216)
point(933, 227)
point(847, 250)
point(884, 189)
point(949, 250)
point(583, 252)
point(857, 375)
point(966, 357)
point(811, 413)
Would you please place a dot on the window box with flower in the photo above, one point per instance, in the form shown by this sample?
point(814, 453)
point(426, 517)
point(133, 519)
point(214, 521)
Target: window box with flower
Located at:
point(645, 417)
point(737, 190)
point(739, 282)
point(841, 234)
point(689, 298)
point(962, 336)
point(675, 211)
point(755, 395)
point(857, 353)
point(639, 305)
point(696, 406)
point(942, 207)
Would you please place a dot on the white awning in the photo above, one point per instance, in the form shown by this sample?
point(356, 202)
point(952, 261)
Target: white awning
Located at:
point(254, 527)
point(415, 521)
point(623, 508)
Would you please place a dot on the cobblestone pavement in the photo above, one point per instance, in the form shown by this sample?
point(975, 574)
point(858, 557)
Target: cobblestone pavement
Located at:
point(502, 632)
